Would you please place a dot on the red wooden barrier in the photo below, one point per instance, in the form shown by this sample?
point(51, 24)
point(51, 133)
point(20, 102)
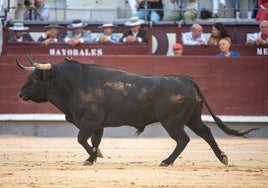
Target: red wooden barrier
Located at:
point(86, 49)
point(242, 49)
point(233, 86)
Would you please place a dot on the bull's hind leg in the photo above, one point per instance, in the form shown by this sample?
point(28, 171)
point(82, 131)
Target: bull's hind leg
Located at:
point(179, 135)
point(199, 128)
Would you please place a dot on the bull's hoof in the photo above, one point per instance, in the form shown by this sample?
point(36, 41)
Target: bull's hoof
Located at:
point(165, 164)
point(88, 163)
point(91, 160)
point(224, 159)
point(99, 153)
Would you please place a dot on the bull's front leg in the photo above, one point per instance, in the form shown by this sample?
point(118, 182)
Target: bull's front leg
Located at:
point(82, 139)
point(96, 139)
point(85, 132)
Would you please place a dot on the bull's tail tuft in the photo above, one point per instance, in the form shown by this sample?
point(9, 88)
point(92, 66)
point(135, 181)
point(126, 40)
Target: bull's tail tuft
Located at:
point(217, 120)
point(232, 132)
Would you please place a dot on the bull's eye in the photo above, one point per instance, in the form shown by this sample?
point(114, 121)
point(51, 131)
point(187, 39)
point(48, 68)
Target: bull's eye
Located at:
point(35, 79)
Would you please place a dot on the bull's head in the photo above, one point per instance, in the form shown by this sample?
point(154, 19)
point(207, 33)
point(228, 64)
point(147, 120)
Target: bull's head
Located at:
point(36, 86)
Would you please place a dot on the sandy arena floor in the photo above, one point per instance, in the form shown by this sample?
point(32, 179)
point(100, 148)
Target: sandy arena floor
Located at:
point(58, 162)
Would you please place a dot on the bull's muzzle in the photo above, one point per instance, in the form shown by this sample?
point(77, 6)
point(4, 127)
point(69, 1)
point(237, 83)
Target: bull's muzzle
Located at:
point(22, 98)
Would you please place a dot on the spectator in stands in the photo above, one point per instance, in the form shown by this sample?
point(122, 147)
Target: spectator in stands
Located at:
point(132, 5)
point(51, 35)
point(260, 38)
point(151, 10)
point(215, 7)
point(255, 8)
point(194, 37)
point(77, 34)
point(186, 10)
point(20, 33)
point(218, 32)
point(107, 34)
point(135, 33)
point(224, 45)
point(177, 49)
point(36, 10)
point(262, 13)
point(236, 8)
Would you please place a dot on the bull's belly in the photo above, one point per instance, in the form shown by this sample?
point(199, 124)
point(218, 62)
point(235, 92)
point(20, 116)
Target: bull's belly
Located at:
point(134, 118)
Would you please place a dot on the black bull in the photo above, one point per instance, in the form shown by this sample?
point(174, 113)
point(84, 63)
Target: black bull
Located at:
point(94, 97)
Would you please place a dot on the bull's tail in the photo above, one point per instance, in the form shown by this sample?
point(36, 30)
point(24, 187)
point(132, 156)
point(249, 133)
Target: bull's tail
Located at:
point(217, 120)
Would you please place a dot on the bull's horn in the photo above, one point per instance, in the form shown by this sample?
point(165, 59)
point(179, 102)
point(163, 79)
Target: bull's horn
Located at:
point(28, 69)
point(31, 60)
point(46, 66)
point(40, 66)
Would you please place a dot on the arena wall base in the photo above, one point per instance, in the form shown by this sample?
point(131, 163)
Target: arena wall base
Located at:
point(55, 126)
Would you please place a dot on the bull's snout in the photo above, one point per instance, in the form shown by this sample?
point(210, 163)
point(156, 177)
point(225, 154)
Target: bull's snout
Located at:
point(22, 97)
